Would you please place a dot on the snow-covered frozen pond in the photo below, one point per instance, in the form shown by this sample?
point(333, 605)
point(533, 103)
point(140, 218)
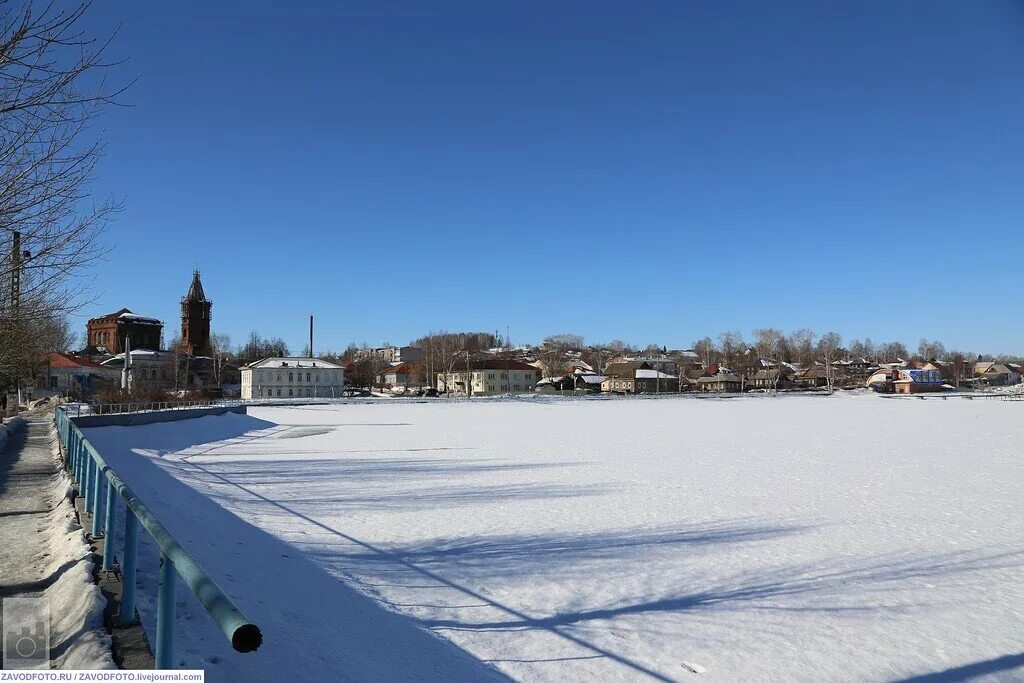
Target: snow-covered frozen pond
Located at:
point(789, 538)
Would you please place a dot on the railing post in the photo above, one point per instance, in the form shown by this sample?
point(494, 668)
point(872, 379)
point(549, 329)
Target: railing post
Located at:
point(73, 453)
point(80, 447)
point(165, 614)
point(108, 528)
point(76, 460)
point(97, 489)
point(129, 567)
point(87, 479)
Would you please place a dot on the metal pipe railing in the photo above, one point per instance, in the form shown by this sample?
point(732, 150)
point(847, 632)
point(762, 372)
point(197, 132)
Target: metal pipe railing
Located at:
point(94, 475)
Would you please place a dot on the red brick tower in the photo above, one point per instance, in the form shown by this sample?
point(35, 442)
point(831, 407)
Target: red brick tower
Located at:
point(195, 319)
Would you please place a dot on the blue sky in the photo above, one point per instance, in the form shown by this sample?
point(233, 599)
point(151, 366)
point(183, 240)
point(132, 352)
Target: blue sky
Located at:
point(651, 171)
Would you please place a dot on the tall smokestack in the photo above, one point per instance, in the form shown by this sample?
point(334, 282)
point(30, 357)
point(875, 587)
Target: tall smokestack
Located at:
point(311, 354)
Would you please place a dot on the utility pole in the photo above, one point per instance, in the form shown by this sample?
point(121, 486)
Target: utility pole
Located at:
point(18, 257)
point(16, 272)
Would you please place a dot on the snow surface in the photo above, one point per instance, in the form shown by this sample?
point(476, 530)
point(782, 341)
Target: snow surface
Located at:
point(757, 538)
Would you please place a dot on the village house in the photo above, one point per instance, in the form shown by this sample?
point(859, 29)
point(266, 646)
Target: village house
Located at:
point(722, 382)
point(770, 378)
point(587, 381)
point(292, 378)
point(931, 364)
point(405, 375)
point(915, 381)
point(995, 374)
point(854, 369)
point(489, 376)
point(75, 376)
point(637, 377)
point(812, 377)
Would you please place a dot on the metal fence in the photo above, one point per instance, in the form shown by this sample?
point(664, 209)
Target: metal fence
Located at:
point(79, 409)
point(100, 486)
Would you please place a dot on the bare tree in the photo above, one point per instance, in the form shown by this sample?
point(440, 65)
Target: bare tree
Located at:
point(730, 343)
point(801, 345)
point(770, 344)
point(51, 88)
point(705, 348)
point(829, 348)
point(961, 366)
point(928, 350)
point(554, 349)
point(257, 348)
point(220, 345)
point(892, 351)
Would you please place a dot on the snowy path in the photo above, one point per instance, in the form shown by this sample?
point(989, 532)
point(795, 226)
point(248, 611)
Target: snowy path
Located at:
point(27, 483)
point(850, 538)
point(42, 550)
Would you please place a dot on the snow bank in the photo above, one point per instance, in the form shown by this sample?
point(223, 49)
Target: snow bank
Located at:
point(9, 426)
point(47, 549)
point(78, 638)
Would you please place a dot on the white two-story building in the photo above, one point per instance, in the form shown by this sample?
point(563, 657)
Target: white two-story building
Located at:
point(292, 378)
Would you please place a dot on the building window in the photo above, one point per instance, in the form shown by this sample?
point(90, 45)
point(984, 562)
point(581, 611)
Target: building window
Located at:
point(307, 377)
point(279, 391)
point(289, 392)
point(279, 377)
point(291, 376)
point(318, 378)
point(515, 376)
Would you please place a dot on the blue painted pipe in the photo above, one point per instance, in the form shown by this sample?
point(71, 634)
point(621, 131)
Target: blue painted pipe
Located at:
point(165, 614)
point(128, 569)
point(108, 528)
point(97, 489)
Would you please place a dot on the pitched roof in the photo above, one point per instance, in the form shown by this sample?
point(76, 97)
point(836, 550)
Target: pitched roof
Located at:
point(723, 377)
point(195, 290)
point(140, 319)
point(115, 314)
point(644, 373)
point(63, 360)
point(403, 369)
point(493, 364)
point(771, 373)
point(624, 368)
point(292, 363)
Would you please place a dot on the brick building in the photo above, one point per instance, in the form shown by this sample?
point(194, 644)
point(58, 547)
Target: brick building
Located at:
point(108, 332)
point(195, 320)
